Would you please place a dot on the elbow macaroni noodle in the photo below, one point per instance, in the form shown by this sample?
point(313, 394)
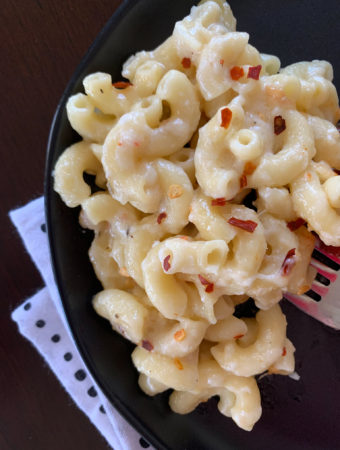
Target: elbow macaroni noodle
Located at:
point(203, 120)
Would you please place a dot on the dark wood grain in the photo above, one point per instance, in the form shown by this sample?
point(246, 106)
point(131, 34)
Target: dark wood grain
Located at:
point(42, 42)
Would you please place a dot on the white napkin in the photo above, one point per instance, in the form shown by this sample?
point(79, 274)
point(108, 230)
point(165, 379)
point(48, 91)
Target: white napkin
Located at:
point(41, 320)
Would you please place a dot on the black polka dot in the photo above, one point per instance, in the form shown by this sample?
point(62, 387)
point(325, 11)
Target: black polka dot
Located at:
point(68, 356)
point(43, 227)
point(101, 409)
point(27, 306)
point(80, 375)
point(143, 443)
point(40, 323)
point(55, 338)
point(92, 392)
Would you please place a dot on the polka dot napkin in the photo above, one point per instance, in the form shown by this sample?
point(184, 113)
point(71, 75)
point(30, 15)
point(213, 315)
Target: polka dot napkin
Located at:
point(42, 321)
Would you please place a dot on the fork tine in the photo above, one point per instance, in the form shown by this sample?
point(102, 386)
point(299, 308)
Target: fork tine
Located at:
point(322, 301)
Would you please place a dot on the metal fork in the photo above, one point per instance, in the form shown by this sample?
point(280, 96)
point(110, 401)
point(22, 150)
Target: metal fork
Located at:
point(322, 301)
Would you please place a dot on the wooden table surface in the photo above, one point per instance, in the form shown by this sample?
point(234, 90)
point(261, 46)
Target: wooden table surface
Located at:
point(42, 41)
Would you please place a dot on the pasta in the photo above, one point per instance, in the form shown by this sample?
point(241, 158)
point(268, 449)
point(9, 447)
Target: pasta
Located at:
point(203, 120)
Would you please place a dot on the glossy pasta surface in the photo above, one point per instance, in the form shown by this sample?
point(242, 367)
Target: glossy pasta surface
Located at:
point(204, 120)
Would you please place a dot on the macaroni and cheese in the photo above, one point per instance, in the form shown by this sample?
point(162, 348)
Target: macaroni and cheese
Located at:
point(202, 121)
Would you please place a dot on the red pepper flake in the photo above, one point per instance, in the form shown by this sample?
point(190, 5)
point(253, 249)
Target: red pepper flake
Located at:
point(121, 84)
point(123, 272)
point(279, 125)
point(226, 115)
point(220, 201)
point(237, 72)
point(178, 364)
point(180, 335)
point(209, 286)
point(249, 168)
point(185, 238)
point(162, 216)
point(246, 225)
point(288, 263)
point(221, 62)
point(166, 264)
point(254, 72)
point(243, 181)
point(203, 280)
point(120, 143)
point(186, 63)
point(147, 345)
point(238, 336)
point(284, 351)
point(295, 224)
point(175, 191)
point(308, 176)
point(136, 144)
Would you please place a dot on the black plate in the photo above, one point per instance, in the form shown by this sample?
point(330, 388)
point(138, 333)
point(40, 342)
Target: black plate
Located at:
point(296, 415)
